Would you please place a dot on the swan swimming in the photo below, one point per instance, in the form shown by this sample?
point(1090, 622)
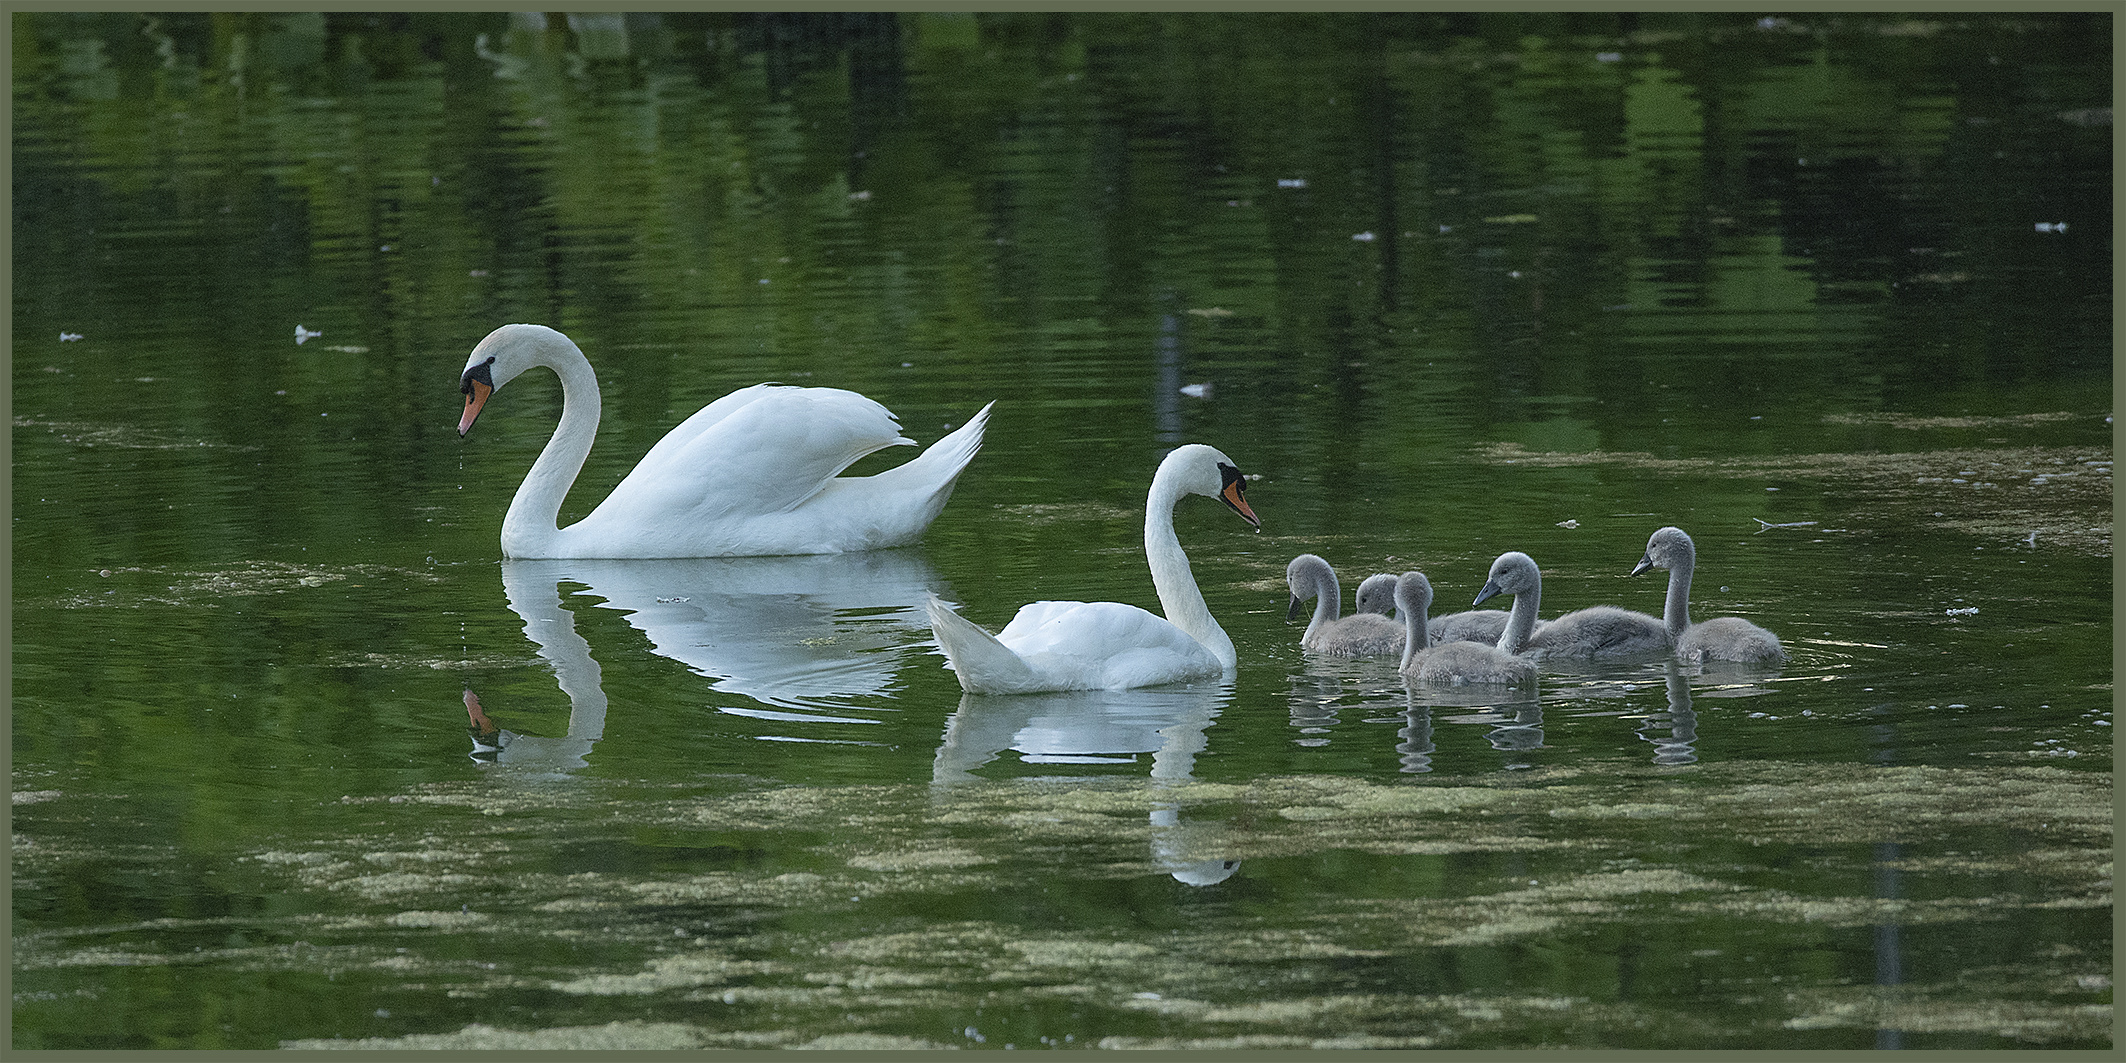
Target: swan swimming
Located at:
point(1108, 645)
point(753, 473)
point(1362, 634)
point(1726, 638)
point(1596, 631)
point(1453, 663)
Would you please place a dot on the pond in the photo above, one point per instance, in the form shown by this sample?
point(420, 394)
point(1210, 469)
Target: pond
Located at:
point(300, 760)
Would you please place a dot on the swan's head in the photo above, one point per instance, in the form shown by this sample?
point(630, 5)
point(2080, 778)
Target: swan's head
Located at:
point(1668, 549)
point(1377, 594)
point(1413, 593)
point(1513, 573)
point(1305, 576)
point(1202, 470)
point(498, 359)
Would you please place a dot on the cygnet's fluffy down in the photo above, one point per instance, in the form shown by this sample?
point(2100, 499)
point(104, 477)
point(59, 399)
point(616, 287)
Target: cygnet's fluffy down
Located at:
point(1597, 631)
point(1360, 635)
point(1726, 638)
point(1452, 663)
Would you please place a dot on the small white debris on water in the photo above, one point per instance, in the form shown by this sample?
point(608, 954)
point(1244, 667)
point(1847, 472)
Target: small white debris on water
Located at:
point(1196, 391)
point(302, 334)
point(2052, 227)
point(1364, 237)
point(69, 337)
point(1568, 524)
point(1291, 182)
point(1609, 57)
point(1969, 610)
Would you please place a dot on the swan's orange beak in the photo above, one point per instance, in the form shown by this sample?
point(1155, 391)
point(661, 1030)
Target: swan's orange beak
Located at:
point(476, 393)
point(1232, 496)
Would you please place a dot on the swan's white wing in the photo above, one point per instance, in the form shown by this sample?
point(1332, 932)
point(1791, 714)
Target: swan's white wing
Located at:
point(759, 450)
point(1095, 645)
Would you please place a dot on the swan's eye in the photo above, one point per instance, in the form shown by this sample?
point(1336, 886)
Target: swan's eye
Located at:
point(1231, 477)
point(477, 373)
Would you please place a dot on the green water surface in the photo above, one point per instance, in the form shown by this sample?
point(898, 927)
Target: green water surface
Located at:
point(1831, 292)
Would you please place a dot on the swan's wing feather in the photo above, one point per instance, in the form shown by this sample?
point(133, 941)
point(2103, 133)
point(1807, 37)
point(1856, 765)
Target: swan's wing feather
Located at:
point(767, 451)
point(1093, 645)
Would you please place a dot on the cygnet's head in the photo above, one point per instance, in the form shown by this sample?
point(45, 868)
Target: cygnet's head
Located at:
point(1413, 594)
point(1305, 576)
point(1513, 573)
point(1669, 548)
point(1377, 594)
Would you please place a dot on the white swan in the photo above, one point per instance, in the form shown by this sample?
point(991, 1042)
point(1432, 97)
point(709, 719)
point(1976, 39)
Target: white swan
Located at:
point(753, 473)
point(1107, 645)
point(1726, 638)
point(1454, 663)
point(1358, 635)
point(1597, 631)
point(1376, 594)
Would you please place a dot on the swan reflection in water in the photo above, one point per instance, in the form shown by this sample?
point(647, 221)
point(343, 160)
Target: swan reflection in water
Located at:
point(1101, 728)
point(803, 633)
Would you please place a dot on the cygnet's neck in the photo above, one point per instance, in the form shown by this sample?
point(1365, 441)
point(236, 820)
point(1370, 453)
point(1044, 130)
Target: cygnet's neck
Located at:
point(1328, 598)
point(1416, 607)
point(1521, 622)
point(1179, 596)
point(1676, 613)
point(530, 526)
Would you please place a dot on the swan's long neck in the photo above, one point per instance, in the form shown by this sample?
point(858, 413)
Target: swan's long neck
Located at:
point(1417, 632)
point(1178, 594)
point(1677, 612)
point(1328, 596)
point(1521, 622)
point(531, 524)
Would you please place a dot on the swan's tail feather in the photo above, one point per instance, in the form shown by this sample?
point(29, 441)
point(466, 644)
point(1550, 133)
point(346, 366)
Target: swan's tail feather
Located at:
point(984, 665)
point(940, 464)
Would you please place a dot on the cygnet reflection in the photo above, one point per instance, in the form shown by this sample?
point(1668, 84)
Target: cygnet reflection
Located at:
point(1166, 726)
point(1673, 733)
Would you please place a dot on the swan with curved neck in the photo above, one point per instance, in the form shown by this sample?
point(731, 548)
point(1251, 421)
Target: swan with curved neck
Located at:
point(1596, 631)
point(1108, 645)
point(1726, 638)
point(1453, 663)
point(755, 472)
point(1361, 634)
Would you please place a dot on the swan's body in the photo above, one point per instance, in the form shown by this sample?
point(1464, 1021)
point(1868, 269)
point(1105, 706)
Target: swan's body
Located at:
point(1108, 645)
point(1472, 625)
point(1726, 638)
point(1358, 635)
point(1376, 594)
point(1453, 663)
point(753, 473)
point(1597, 631)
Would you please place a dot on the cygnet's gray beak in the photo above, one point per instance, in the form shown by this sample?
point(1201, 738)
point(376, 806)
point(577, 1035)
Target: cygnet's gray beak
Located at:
point(1646, 561)
point(1490, 591)
point(1293, 612)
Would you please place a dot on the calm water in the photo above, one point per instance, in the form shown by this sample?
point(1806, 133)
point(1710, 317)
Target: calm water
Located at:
point(1451, 286)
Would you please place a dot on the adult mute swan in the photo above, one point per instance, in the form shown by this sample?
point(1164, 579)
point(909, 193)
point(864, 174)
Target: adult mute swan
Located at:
point(753, 473)
point(1596, 631)
point(1107, 645)
point(1726, 638)
point(1361, 634)
point(1450, 662)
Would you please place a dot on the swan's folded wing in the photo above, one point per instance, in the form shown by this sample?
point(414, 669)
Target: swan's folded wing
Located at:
point(1105, 645)
point(763, 449)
